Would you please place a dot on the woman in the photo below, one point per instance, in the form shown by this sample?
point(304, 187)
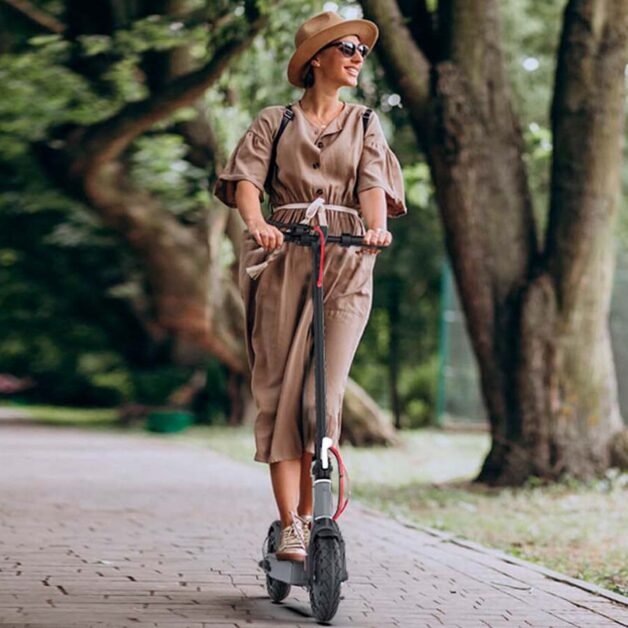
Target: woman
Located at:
point(327, 168)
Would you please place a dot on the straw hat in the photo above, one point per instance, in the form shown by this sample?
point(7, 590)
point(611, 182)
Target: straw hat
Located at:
point(320, 30)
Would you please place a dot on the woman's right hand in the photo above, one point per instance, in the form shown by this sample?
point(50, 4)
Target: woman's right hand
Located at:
point(267, 236)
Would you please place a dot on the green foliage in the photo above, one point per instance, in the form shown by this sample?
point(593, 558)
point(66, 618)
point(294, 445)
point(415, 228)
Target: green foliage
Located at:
point(213, 405)
point(417, 386)
point(406, 291)
point(159, 165)
point(155, 32)
point(39, 92)
point(62, 329)
point(153, 386)
point(74, 300)
point(531, 34)
point(69, 288)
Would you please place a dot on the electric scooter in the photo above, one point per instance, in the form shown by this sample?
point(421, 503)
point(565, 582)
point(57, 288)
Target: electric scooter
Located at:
point(324, 569)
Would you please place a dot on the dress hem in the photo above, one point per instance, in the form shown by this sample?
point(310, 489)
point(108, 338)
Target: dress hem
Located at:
point(270, 460)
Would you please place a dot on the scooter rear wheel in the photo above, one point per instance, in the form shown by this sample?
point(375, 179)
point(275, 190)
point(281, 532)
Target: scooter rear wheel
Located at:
point(277, 590)
point(326, 577)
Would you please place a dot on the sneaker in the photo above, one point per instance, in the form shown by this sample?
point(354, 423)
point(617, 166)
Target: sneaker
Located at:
point(306, 526)
point(292, 545)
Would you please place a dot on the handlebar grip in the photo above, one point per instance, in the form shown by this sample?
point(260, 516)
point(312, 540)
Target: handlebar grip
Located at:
point(348, 239)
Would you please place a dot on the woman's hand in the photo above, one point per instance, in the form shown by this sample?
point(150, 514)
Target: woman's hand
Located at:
point(267, 236)
point(376, 237)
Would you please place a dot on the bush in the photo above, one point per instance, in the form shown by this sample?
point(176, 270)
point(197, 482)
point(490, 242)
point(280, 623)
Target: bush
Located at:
point(418, 394)
point(152, 387)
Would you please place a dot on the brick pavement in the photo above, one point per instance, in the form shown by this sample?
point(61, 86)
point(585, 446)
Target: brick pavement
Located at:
point(102, 529)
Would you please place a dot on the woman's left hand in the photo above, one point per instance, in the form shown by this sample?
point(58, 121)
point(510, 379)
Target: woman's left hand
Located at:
point(376, 237)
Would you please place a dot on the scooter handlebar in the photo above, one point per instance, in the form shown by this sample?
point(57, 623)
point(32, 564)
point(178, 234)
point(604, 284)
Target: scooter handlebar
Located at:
point(305, 235)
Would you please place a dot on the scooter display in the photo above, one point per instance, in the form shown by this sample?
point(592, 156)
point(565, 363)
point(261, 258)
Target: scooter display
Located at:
point(324, 569)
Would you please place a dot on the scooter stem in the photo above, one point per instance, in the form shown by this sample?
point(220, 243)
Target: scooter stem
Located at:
point(321, 469)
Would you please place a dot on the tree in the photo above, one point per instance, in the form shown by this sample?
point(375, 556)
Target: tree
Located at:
point(537, 312)
point(140, 63)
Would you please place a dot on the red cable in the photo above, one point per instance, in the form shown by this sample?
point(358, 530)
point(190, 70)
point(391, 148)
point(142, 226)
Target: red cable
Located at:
point(319, 282)
point(343, 501)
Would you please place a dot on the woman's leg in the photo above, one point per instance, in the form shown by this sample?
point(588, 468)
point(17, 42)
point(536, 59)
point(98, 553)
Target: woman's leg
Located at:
point(285, 477)
point(305, 494)
point(292, 485)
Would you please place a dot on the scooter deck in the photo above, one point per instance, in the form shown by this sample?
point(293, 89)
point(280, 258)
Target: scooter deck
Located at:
point(290, 571)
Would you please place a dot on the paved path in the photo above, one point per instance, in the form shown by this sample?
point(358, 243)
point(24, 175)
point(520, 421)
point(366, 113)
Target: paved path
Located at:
point(101, 529)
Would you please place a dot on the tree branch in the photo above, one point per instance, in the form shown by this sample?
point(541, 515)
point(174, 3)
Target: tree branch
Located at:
point(587, 121)
point(103, 142)
point(402, 58)
point(37, 17)
point(175, 260)
point(421, 26)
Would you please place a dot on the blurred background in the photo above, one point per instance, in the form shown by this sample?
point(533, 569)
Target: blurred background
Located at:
point(118, 268)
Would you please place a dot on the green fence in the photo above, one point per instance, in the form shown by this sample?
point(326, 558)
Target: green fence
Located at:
point(459, 401)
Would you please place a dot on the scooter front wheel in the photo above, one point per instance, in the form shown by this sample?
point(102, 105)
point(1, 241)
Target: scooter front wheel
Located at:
point(277, 590)
point(327, 571)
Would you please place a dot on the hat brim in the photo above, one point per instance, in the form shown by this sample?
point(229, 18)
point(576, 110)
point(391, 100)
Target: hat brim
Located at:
point(366, 30)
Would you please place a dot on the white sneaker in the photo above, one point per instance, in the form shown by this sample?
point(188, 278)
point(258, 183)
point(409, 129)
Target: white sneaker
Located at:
point(292, 544)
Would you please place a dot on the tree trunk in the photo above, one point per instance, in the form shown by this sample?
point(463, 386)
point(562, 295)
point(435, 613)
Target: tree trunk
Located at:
point(537, 319)
point(363, 422)
point(567, 381)
point(196, 303)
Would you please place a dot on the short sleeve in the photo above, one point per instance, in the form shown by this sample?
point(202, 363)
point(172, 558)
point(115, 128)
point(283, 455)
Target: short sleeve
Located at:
point(380, 168)
point(249, 160)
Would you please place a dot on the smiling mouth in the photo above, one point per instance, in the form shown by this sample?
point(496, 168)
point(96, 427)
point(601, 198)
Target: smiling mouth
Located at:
point(352, 71)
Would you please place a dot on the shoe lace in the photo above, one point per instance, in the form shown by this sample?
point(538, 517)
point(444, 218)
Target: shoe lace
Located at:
point(306, 523)
point(296, 527)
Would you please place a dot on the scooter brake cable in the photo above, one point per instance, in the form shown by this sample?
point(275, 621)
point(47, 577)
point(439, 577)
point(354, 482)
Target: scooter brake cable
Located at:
point(319, 283)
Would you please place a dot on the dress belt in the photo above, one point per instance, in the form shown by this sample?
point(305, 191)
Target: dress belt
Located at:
point(317, 208)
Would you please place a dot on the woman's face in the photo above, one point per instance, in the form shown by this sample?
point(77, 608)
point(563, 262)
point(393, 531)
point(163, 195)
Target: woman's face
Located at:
point(337, 69)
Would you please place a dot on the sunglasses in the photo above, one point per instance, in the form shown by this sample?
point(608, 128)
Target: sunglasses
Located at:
point(348, 48)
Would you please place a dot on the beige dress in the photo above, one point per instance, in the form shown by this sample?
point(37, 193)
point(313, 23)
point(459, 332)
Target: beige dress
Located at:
point(334, 163)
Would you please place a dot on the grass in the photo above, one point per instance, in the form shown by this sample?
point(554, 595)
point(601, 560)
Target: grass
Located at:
point(70, 417)
point(572, 527)
point(577, 528)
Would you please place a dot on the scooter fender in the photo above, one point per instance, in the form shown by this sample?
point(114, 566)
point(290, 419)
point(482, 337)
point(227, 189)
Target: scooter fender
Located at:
point(326, 527)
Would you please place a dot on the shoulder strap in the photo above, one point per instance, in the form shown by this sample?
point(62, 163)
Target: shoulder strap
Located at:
point(288, 114)
point(365, 118)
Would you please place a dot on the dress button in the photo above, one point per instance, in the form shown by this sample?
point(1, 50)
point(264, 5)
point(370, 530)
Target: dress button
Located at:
point(320, 144)
point(319, 192)
point(316, 165)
